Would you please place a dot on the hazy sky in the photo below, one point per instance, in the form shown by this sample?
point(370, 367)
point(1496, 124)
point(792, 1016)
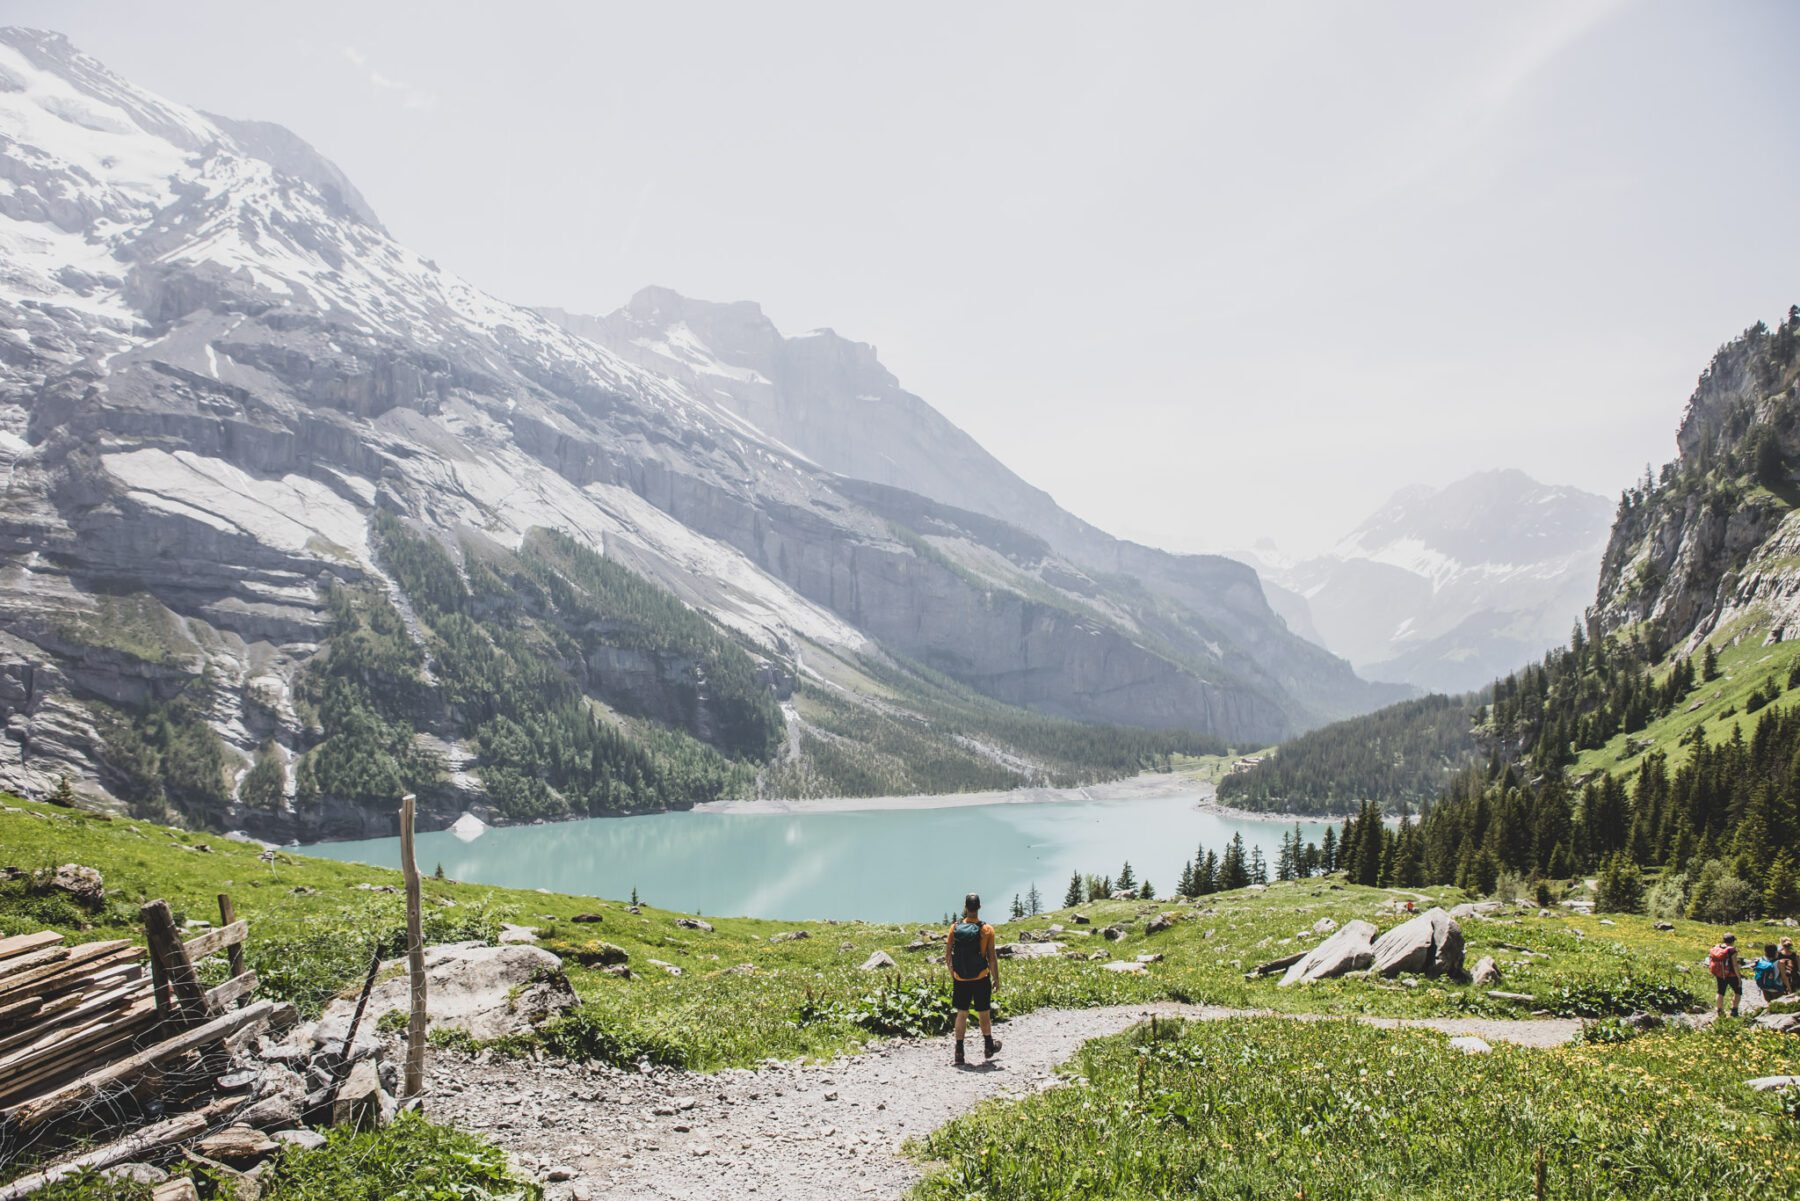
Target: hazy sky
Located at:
point(1204, 272)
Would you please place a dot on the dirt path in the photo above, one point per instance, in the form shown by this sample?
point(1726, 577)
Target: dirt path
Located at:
point(807, 1133)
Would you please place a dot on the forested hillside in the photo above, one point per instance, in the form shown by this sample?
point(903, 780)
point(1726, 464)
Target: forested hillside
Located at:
point(1656, 745)
point(1404, 755)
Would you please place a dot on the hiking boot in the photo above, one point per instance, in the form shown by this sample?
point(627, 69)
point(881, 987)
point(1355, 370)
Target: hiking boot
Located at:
point(959, 1061)
point(993, 1047)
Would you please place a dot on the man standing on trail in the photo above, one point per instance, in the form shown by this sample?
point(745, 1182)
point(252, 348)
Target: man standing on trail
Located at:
point(974, 974)
point(1722, 961)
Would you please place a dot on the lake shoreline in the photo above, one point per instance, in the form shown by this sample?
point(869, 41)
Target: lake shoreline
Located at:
point(1144, 786)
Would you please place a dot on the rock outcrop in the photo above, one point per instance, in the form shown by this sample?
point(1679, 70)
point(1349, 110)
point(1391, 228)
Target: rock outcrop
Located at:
point(1350, 949)
point(1430, 944)
point(485, 992)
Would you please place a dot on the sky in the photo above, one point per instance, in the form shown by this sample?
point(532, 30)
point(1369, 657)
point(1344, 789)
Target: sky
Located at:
point(1205, 272)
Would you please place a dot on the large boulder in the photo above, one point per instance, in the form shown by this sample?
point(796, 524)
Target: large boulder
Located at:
point(489, 992)
point(83, 885)
point(1477, 909)
point(1348, 950)
point(1431, 943)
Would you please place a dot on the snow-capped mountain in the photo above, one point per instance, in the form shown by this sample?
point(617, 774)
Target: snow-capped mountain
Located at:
point(1447, 588)
point(217, 368)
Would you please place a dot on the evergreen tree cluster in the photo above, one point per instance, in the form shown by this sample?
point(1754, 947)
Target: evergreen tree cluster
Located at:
point(1403, 754)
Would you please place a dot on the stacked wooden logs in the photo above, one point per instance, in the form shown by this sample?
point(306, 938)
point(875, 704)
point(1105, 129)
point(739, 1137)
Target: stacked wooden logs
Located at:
point(63, 1009)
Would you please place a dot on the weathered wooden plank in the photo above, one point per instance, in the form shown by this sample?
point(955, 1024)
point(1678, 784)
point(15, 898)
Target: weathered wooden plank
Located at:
point(228, 917)
point(88, 957)
point(133, 1146)
point(19, 944)
point(68, 1061)
point(186, 996)
point(74, 1011)
point(31, 961)
point(94, 1084)
point(54, 1036)
point(216, 940)
point(234, 989)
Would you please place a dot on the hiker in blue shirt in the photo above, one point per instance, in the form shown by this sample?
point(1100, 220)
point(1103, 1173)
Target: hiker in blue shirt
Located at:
point(1767, 972)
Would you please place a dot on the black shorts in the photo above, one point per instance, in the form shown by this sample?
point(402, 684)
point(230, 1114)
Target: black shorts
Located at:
point(1731, 982)
point(972, 994)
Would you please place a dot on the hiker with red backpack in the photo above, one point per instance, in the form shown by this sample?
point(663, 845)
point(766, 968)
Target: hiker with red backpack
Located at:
point(974, 974)
point(1722, 962)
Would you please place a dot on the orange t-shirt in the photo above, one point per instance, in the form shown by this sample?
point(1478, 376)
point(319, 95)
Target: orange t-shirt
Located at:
point(987, 950)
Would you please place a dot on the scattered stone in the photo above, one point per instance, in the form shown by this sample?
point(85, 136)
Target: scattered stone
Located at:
point(1663, 926)
point(790, 936)
point(1350, 949)
point(1764, 1084)
point(1324, 925)
point(694, 923)
point(511, 935)
point(1523, 997)
point(1129, 966)
point(877, 961)
point(670, 968)
point(84, 885)
point(1469, 1044)
point(621, 970)
point(489, 992)
point(1487, 972)
point(634, 910)
point(137, 1173)
point(358, 1102)
point(1029, 950)
point(1113, 933)
point(587, 919)
point(559, 1174)
point(1153, 957)
point(238, 1144)
point(920, 944)
point(1781, 1023)
point(1431, 943)
point(1080, 919)
point(181, 1188)
point(1476, 909)
point(1163, 921)
point(1275, 965)
point(279, 1112)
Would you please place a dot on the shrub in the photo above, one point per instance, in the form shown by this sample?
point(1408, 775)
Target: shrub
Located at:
point(1617, 998)
point(1620, 885)
point(1668, 897)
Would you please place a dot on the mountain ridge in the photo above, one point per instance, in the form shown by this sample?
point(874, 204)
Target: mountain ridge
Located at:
point(221, 384)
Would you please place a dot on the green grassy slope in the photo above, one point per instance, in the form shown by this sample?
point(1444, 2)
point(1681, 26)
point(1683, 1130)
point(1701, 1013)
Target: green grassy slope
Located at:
point(312, 927)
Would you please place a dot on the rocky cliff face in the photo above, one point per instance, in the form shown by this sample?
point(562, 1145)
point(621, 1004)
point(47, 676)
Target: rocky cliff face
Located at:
point(217, 369)
point(1708, 547)
point(1450, 588)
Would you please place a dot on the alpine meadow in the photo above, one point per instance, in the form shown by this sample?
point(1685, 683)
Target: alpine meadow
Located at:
point(487, 712)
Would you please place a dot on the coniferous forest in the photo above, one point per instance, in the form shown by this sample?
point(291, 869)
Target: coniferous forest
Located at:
point(1634, 753)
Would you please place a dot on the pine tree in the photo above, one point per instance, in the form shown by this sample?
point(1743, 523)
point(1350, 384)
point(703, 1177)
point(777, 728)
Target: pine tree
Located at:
point(634, 899)
point(1259, 867)
point(1781, 892)
point(1709, 664)
point(1184, 887)
point(1328, 851)
point(1206, 879)
point(1127, 882)
point(1034, 900)
point(1620, 886)
point(1234, 872)
point(439, 873)
point(1018, 907)
point(1073, 896)
point(1146, 891)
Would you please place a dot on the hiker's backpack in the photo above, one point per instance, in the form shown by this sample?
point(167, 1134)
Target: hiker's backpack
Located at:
point(1768, 978)
point(1717, 960)
point(967, 959)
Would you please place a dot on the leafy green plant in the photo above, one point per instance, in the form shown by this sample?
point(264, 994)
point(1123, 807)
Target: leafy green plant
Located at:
point(1617, 998)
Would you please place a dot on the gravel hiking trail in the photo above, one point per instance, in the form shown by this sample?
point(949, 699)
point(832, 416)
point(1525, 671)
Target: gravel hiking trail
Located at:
point(797, 1132)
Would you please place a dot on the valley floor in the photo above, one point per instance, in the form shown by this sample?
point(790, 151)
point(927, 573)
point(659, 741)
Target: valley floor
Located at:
point(805, 1132)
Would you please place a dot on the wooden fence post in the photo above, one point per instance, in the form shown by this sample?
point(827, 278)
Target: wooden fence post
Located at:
point(1538, 1172)
point(186, 998)
point(235, 952)
point(415, 954)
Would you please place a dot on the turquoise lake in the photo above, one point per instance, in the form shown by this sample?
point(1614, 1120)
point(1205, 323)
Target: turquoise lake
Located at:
point(889, 865)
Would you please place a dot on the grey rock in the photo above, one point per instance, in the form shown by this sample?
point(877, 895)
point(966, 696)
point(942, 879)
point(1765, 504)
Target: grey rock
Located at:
point(694, 923)
point(1486, 973)
point(1113, 933)
point(1350, 949)
point(305, 1140)
point(1431, 943)
point(488, 992)
point(878, 961)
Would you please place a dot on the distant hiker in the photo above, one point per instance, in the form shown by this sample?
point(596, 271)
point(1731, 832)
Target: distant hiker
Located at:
point(1722, 962)
point(1790, 966)
point(974, 974)
point(1767, 972)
